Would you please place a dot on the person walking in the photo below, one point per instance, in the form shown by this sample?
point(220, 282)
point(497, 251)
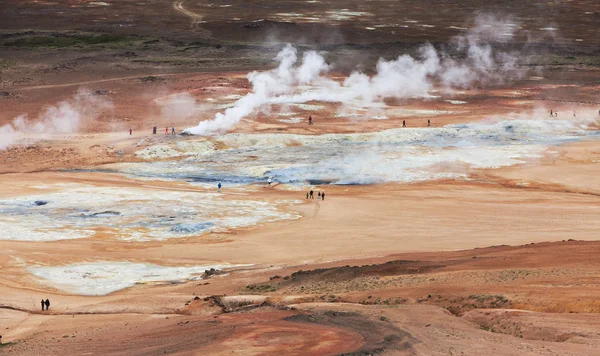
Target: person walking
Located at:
point(403, 123)
point(173, 130)
point(310, 120)
point(219, 187)
point(154, 130)
point(319, 195)
point(551, 114)
point(323, 195)
point(166, 130)
point(43, 304)
point(312, 196)
point(428, 122)
point(47, 304)
point(130, 131)
point(306, 195)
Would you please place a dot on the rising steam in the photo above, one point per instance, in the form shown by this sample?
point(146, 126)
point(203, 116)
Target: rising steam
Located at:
point(403, 77)
point(65, 117)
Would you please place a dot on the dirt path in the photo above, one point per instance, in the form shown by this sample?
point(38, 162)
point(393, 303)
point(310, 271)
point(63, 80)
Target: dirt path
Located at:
point(196, 18)
point(97, 81)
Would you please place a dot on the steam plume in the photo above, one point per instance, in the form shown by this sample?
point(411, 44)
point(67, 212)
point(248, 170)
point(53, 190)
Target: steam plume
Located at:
point(65, 117)
point(403, 77)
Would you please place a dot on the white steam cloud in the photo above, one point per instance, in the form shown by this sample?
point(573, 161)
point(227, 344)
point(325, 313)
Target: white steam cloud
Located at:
point(482, 64)
point(65, 117)
point(403, 77)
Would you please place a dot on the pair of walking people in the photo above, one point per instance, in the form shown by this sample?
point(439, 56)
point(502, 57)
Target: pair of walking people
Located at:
point(45, 303)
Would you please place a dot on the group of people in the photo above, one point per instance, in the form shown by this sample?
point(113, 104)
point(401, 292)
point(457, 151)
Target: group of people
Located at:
point(311, 195)
point(428, 123)
point(310, 121)
point(46, 303)
point(166, 130)
point(155, 128)
point(554, 113)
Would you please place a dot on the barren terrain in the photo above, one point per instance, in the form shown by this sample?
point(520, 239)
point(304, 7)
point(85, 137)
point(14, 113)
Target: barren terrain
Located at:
point(473, 230)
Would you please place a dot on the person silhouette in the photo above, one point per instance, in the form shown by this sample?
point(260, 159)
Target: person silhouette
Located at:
point(403, 123)
point(323, 195)
point(43, 304)
point(312, 196)
point(219, 186)
point(47, 304)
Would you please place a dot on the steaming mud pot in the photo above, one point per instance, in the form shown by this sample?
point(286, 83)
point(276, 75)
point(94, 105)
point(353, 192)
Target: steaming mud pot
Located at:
point(104, 277)
point(133, 214)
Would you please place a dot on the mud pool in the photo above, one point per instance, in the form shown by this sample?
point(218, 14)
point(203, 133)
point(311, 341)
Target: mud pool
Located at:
point(104, 277)
point(391, 156)
point(72, 211)
point(144, 213)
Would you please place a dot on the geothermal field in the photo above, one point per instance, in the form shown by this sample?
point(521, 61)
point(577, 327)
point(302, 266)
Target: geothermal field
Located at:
point(299, 177)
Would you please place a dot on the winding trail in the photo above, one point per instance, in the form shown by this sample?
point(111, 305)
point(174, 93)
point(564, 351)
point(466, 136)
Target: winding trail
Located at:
point(196, 18)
